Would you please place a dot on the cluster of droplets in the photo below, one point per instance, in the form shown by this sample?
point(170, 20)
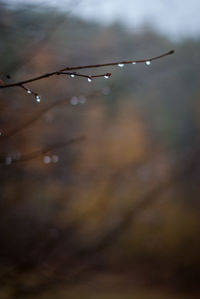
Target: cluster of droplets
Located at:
point(78, 100)
point(37, 97)
point(50, 159)
point(89, 77)
point(106, 76)
point(75, 100)
point(147, 62)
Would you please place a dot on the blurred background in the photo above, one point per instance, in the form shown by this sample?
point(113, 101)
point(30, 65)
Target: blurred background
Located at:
point(115, 214)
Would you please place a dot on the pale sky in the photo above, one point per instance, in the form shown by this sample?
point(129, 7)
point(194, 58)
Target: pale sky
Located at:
point(177, 18)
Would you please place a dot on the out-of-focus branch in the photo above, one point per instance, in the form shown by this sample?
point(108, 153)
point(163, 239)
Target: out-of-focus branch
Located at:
point(41, 152)
point(87, 256)
point(83, 257)
point(27, 123)
point(72, 68)
point(91, 254)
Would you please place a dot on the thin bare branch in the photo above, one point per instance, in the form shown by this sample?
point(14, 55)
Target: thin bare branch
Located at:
point(72, 68)
point(28, 90)
point(74, 74)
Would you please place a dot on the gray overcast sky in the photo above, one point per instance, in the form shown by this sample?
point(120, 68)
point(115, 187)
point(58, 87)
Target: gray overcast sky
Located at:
point(178, 18)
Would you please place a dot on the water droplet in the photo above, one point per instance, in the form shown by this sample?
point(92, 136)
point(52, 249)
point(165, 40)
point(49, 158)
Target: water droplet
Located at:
point(82, 100)
point(8, 160)
point(48, 117)
point(72, 75)
point(47, 159)
point(133, 62)
point(120, 64)
point(106, 76)
point(89, 79)
point(106, 90)
point(16, 155)
point(74, 100)
point(55, 158)
point(148, 62)
point(29, 91)
point(38, 98)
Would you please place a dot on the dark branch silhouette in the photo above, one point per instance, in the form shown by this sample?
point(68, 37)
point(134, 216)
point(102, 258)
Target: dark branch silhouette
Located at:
point(72, 68)
point(74, 74)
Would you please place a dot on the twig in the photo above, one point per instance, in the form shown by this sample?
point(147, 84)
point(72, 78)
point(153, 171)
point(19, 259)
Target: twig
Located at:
point(28, 90)
point(74, 74)
point(47, 75)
